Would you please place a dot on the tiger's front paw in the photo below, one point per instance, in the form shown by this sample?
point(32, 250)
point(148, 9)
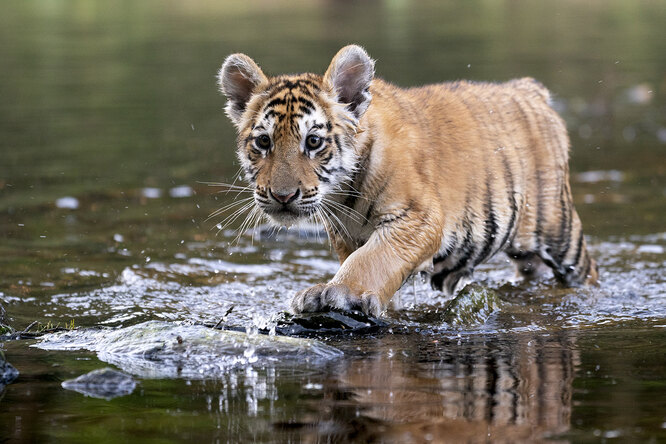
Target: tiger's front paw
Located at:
point(324, 297)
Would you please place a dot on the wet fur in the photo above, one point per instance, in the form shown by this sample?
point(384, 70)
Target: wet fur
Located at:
point(437, 178)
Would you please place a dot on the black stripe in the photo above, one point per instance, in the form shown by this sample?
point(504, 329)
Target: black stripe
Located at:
point(437, 279)
point(586, 268)
point(333, 170)
point(508, 177)
point(368, 213)
point(336, 138)
point(441, 257)
point(565, 226)
point(350, 201)
point(492, 389)
point(254, 176)
point(301, 84)
point(467, 247)
point(322, 178)
point(277, 114)
point(490, 224)
point(327, 159)
point(539, 209)
point(295, 129)
point(305, 103)
point(275, 101)
point(579, 248)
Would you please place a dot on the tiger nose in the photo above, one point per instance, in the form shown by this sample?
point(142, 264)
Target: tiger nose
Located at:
point(284, 197)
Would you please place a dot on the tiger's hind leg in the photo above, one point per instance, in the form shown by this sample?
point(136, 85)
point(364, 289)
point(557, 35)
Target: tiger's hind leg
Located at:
point(570, 260)
point(559, 244)
point(566, 253)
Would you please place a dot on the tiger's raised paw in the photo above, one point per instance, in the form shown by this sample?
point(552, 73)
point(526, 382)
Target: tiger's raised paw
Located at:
point(323, 297)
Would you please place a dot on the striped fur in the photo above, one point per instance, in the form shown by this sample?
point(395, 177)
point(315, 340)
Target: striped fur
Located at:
point(437, 178)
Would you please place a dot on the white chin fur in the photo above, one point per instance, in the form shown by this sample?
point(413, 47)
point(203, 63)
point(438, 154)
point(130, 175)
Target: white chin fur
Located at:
point(285, 219)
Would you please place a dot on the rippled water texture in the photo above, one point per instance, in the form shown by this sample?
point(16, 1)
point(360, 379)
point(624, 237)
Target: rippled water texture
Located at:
point(111, 129)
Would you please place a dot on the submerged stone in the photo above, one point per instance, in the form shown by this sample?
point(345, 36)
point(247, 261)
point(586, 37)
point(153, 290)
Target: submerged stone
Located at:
point(332, 322)
point(472, 306)
point(158, 349)
point(7, 372)
point(105, 383)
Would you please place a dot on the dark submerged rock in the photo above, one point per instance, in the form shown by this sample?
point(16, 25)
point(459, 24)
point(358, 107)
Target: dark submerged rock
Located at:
point(334, 322)
point(7, 372)
point(104, 383)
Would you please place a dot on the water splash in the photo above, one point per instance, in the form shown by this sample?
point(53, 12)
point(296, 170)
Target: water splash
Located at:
point(158, 349)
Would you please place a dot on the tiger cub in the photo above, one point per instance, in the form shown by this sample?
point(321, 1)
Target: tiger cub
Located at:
point(437, 178)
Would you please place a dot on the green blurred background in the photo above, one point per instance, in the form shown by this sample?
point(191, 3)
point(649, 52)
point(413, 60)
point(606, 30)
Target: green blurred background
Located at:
point(115, 96)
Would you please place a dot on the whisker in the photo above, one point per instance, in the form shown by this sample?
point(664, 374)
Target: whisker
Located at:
point(332, 216)
point(228, 207)
point(239, 230)
point(233, 216)
point(246, 223)
point(256, 224)
point(323, 220)
point(317, 220)
point(228, 186)
point(345, 210)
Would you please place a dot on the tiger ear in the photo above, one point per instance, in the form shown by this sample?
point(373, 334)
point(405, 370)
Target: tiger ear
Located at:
point(349, 75)
point(237, 79)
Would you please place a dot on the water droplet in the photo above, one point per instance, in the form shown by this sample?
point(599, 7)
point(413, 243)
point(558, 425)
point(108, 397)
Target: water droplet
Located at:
point(67, 202)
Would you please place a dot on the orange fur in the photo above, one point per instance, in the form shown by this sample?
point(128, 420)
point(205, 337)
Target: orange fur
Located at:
point(440, 177)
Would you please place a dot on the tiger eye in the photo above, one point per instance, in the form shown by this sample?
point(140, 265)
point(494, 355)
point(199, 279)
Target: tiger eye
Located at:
point(313, 142)
point(263, 142)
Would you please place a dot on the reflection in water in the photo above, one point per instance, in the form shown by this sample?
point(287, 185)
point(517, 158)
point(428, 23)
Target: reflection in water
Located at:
point(505, 389)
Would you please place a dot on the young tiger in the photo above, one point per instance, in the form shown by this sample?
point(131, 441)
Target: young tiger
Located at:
point(437, 178)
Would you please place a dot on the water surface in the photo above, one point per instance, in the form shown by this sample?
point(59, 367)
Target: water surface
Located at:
point(111, 126)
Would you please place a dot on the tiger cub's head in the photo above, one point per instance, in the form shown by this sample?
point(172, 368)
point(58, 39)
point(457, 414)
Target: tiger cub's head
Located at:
point(296, 133)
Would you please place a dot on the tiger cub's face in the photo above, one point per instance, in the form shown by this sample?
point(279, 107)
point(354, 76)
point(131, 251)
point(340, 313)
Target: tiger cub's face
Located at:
point(296, 133)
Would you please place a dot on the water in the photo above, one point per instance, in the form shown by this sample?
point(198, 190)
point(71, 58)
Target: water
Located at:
point(111, 126)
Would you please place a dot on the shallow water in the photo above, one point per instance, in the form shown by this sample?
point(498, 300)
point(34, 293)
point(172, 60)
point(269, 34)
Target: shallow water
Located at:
point(111, 127)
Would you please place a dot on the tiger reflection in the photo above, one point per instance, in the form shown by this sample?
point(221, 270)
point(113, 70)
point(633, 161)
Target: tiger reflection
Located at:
point(510, 388)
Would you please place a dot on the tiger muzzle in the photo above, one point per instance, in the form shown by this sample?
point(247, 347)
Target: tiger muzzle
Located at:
point(284, 197)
